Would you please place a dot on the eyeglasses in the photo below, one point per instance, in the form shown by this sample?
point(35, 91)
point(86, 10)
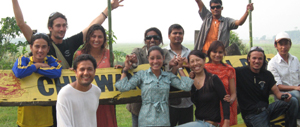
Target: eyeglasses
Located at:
point(51, 15)
point(155, 37)
point(213, 7)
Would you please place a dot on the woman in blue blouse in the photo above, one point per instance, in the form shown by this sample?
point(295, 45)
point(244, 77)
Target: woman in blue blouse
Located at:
point(154, 84)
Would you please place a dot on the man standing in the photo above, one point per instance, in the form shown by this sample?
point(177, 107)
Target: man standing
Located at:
point(181, 112)
point(215, 26)
point(37, 62)
point(254, 83)
point(63, 49)
point(77, 102)
point(285, 67)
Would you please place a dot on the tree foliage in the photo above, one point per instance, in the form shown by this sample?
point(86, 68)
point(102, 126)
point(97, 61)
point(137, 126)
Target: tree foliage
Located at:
point(9, 51)
point(234, 38)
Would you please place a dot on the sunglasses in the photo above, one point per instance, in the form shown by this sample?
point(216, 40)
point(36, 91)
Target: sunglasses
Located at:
point(51, 15)
point(213, 7)
point(155, 37)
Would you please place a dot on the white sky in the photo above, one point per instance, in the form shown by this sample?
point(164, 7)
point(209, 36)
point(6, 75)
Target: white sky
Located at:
point(130, 22)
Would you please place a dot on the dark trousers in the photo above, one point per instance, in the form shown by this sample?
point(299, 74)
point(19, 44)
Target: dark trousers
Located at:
point(181, 115)
point(274, 110)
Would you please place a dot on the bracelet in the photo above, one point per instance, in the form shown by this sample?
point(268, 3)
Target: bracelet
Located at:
point(104, 15)
point(180, 68)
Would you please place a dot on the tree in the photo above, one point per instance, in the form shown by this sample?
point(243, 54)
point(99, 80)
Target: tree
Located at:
point(9, 51)
point(234, 38)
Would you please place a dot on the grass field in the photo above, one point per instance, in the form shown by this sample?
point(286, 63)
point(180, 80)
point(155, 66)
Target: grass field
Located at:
point(8, 115)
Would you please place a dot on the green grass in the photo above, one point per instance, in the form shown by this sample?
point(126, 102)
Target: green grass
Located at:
point(8, 117)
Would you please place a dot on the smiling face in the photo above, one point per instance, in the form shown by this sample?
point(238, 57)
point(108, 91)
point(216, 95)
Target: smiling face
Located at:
point(97, 39)
point(176, 36)
point(59, 28)
point(256, 61)
point(39, 50)
point(155, 59)
point(85, 72)
point(283, 46)
point(217, 55)
point(196, 64)
point(151, 39)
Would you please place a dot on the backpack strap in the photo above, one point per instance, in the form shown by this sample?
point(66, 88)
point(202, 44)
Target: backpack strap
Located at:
point(60, 57)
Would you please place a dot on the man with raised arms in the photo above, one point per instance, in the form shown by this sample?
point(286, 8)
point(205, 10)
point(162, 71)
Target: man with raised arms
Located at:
point(215, 26)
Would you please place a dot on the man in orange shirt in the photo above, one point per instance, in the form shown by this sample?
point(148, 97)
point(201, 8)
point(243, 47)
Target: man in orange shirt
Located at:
point(215, 26)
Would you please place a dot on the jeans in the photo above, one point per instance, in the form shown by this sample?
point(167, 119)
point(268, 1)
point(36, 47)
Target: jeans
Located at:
point(135, 120)
point(296, 94)
point(273, 111)
point(197, 123)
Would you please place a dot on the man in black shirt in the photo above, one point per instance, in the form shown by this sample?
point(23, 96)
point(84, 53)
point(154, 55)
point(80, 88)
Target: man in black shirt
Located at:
point(254, 83)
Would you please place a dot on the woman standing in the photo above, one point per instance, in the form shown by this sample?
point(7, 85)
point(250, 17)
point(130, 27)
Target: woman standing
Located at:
point(152, 37)
point(207, 92)
point(226, 73)
point(155, 86)
point(97, 47)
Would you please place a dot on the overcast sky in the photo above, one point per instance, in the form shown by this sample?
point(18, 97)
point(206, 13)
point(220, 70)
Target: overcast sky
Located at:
point(130, 22)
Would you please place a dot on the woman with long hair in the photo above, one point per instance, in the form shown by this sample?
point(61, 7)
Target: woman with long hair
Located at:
point(206, 94)
point(96, 46)
point(155, 87)
point(152, 37)
point(226, 73)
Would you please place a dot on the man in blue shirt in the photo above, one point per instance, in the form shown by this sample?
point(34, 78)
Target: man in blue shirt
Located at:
point(37, 62)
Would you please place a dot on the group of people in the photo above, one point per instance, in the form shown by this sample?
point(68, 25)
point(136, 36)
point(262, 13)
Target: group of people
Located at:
point(215, 86)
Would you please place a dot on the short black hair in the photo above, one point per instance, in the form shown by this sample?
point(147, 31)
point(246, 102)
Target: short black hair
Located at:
point(215, 1)
point(84, 57)
point(197, 53)
point(175, 26)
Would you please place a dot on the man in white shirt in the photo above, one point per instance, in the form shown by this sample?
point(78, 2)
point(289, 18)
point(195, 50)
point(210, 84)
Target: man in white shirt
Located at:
point(285, 67)
point(77, 102)
point(182, 111)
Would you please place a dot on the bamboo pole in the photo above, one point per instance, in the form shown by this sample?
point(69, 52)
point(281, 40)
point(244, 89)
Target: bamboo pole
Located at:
point(250, 27)
point(110, 34)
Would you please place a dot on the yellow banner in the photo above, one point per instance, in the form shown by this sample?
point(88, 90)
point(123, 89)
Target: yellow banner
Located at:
point(39, 90)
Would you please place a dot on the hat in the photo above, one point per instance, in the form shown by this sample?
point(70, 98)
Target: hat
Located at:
point(282, 35)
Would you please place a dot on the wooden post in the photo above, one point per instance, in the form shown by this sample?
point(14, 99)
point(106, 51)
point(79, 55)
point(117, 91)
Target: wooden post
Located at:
point(250, 26)
point(110, 34)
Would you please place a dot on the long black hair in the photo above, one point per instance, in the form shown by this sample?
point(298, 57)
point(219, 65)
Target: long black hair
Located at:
point(39, 36)
point(87, 46)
